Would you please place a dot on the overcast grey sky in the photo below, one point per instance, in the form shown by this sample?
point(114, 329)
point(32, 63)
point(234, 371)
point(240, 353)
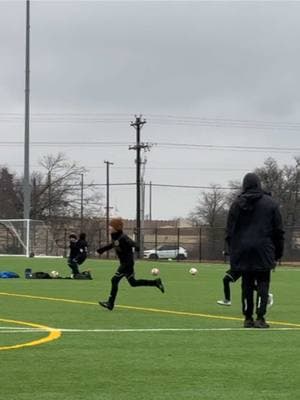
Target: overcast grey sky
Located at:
point(206, 73)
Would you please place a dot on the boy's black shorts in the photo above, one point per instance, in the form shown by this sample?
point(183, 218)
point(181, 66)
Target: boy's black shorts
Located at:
point(125, 270)
point(233, 275)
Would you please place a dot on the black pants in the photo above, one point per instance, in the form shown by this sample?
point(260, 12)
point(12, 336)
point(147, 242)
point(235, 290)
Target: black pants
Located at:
point(230, 277)
point(126, 271)
point(251, 281)
point(74, 265)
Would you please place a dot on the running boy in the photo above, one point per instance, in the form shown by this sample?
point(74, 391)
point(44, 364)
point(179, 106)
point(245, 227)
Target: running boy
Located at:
point(123, 246)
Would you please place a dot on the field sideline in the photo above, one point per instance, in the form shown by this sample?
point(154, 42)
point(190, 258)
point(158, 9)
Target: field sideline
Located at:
point(57, 343)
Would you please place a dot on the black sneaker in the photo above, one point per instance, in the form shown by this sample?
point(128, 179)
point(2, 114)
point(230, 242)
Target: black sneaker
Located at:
point(160, 285)
point(249, 323)
point(107, 305)
point(261, 323)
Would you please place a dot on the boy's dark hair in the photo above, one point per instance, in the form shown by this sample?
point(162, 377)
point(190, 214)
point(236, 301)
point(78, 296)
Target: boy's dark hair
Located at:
point(82, 236)
point(72, 236)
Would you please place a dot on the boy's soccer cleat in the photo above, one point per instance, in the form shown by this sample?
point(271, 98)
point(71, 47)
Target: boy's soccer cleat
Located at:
point(224, 302)
point(160, 285)
point(106, 304)
point(270, 299)
point(261, 323)
point(249, 323)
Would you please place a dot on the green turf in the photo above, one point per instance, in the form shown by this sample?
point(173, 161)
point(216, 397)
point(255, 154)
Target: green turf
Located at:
point(194, 365)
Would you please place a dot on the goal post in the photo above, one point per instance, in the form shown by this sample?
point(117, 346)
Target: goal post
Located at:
point(27, 237)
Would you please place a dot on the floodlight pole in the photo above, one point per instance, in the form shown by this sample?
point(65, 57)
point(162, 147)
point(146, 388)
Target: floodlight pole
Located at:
point(27, 237)
point(26, 182)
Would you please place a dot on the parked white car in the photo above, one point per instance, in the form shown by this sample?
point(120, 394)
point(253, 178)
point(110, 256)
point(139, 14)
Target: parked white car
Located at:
point(166, 251)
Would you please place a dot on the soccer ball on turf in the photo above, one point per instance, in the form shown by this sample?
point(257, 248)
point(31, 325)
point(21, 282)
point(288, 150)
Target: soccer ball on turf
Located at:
point(154, 271)
point(193, 271)
point(54, 274)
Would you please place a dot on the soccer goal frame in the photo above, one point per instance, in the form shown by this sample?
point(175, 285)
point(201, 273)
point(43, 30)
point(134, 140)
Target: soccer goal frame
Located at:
point(23, 237)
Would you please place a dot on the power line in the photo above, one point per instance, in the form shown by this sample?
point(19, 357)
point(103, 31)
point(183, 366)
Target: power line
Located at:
point(190, 186)
point(216, 169)
point(157, 119)
point(170, 145)
point(65, 143)
point(78, 186)
point(187, 146)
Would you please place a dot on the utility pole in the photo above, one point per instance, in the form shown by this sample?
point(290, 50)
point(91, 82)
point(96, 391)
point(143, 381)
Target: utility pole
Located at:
point(107, 200)
point(137, 124)
point(81, 202)
point(297, 208)
point(150, 201)
point(143, 188)
point(49, 194)
point(26, 182)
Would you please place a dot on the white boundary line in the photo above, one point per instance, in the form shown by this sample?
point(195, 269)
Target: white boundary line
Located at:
point(7, 329)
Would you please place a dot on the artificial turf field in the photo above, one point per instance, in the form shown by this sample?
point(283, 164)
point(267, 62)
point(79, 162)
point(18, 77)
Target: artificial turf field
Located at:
point(152, 346)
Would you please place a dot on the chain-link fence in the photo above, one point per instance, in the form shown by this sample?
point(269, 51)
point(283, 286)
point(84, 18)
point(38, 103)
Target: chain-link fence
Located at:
point(159, 243)
point(198, 244)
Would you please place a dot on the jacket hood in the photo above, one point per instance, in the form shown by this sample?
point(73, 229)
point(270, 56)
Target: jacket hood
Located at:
point(251, 182)
point(252, 192)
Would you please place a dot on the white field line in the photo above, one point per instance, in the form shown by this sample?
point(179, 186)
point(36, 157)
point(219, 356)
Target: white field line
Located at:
point(7, 329)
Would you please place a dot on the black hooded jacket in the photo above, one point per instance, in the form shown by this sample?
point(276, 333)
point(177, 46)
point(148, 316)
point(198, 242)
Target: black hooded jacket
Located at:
point(123, 246)
point(254, 234)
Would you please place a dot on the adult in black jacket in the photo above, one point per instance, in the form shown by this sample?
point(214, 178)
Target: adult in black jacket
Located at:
point(255, 240)
point(123, 246)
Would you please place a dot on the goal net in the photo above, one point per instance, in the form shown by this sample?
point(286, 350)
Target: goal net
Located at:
point(27, 237)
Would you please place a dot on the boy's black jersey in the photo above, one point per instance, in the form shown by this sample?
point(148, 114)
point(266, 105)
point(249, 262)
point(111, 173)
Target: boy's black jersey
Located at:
point(123, 246)
point(78, 250)
point(73, 249)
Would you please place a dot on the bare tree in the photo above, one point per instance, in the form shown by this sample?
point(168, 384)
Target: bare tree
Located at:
point(283, 183)
point(211, 207)
point(56, 190)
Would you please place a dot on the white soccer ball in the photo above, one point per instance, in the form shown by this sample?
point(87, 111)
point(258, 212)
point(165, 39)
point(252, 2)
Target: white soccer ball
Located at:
point(54, 274)
point(193, 271)
point(154, 271)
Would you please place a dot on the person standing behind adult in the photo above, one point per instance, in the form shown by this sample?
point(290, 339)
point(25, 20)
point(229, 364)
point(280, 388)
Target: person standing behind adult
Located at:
point(255, 239)
point(78, 252)
point(72, 254)
point(82, 249)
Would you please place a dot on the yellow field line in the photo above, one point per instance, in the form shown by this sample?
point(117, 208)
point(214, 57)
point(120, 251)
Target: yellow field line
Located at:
point(146, 309)
point(48, 298)
point(53, 334)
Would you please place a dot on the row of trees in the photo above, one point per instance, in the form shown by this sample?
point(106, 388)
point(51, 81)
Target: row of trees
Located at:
point(56, 190)
point(282, 182)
